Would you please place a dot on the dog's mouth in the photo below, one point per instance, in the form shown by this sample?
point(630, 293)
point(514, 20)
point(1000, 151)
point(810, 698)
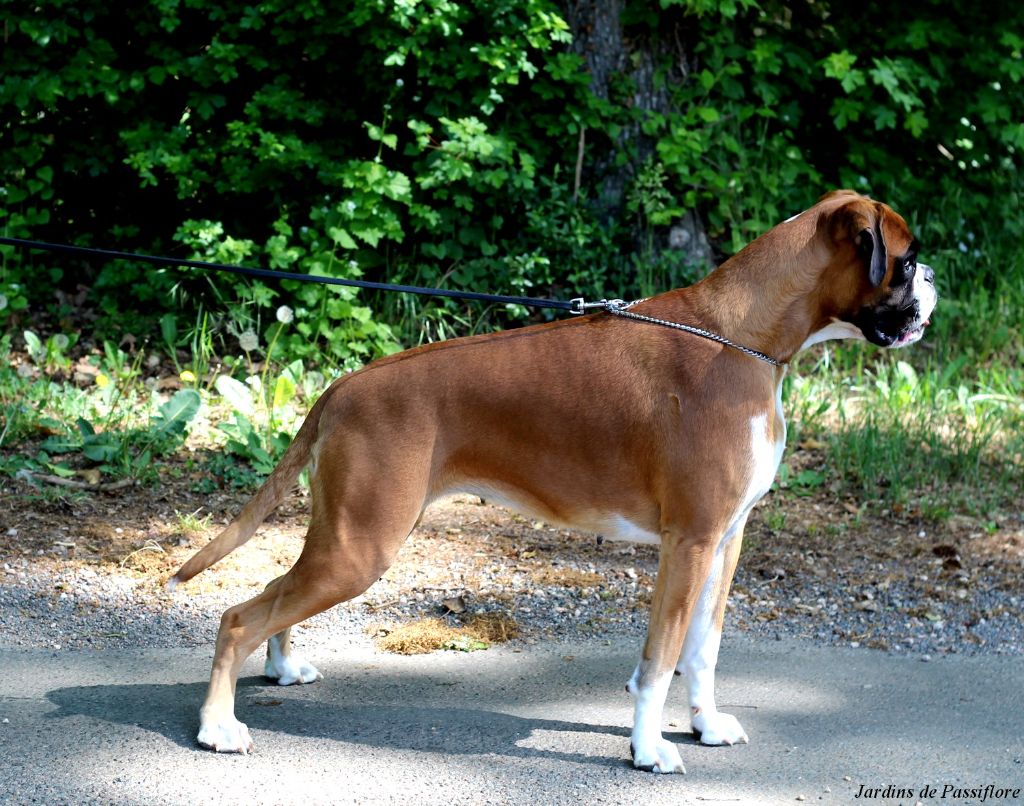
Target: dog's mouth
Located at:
point(910, 336)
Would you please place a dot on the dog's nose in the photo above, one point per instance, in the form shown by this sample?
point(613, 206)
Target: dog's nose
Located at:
point(929, 274)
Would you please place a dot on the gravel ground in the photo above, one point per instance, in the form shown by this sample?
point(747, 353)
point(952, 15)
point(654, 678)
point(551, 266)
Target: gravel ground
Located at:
point(554, 583)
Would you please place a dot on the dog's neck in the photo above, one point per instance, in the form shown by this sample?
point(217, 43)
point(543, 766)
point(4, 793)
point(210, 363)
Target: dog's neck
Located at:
point(763, 297)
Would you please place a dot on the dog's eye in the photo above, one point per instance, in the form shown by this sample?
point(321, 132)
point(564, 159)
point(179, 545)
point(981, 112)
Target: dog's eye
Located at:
point(905, 268)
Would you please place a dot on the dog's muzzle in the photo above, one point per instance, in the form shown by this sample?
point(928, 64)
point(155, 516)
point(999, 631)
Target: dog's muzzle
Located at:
point(902, 316)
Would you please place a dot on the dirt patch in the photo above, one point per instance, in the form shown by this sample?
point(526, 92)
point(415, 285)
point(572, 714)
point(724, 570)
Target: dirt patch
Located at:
point(421, 636)
point(566, 577)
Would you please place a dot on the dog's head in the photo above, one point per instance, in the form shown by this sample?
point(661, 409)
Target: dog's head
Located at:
point(893, 295)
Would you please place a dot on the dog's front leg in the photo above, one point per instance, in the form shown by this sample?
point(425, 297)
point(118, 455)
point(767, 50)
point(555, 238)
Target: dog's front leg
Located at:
point(700, 649)
point(682, 571)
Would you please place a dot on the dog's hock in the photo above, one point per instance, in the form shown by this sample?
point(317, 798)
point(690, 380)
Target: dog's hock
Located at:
point(225, 736)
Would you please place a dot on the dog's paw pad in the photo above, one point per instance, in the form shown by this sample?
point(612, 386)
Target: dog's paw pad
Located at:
point(292, 669)
point(660, 756)
point(226, 736)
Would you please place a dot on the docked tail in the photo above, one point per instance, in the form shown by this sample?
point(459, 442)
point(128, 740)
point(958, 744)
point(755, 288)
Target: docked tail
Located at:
point(265, 501)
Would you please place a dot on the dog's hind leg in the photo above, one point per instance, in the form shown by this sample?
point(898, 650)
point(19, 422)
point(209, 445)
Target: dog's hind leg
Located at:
point(285, 602)
point(347, 549)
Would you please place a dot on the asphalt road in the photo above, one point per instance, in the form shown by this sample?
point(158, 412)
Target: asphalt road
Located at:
point(547, 724)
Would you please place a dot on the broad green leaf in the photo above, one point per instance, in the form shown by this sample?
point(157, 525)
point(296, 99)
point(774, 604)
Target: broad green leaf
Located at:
point(341, 236)
point(284, 391)
point(102, 451)
point(169, 329)
point(236, 393)
point(35, 347)
point(60, 445)
point(175, 414)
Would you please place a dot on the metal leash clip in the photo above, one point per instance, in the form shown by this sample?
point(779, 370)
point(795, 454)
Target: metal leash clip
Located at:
point(581, 306)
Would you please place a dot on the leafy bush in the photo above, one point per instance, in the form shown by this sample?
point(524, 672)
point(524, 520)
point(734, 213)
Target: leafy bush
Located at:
point(437, 142)
point(232, 133)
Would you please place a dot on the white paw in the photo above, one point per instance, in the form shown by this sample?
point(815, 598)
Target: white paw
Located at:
point(227, 736)
point(290, 669)
point(718, 728)
point(659, 756)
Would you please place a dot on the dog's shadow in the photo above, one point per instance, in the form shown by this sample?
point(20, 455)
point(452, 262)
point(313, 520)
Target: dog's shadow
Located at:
point(171, 710)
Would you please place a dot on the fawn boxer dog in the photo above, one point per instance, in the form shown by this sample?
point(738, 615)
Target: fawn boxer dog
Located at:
point(597, 422)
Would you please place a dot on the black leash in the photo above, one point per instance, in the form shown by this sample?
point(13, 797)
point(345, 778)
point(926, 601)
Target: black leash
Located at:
point(577, 305)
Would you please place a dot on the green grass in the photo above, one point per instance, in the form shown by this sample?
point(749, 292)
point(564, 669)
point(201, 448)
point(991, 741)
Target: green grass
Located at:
point(108, 419)
point(191, 524)
point(940, 423)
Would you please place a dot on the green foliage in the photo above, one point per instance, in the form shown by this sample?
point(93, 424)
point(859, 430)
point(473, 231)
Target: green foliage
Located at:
point(264, 413)
point(242, 123)
point(262, 452)
point(436, 142)
point(50, 355)
point(114, 426)
point(116, 448)
point(12, 299)
point(785, 101)
point(895, 433)
point(167, 426)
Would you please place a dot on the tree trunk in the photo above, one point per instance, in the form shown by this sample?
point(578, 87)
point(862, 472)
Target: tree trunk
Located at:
point(631, 58)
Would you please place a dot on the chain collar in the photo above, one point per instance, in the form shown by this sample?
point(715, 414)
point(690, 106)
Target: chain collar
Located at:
point(618, 307)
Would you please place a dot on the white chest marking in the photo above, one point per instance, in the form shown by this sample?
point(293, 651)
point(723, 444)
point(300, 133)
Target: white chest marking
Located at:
point(836, 329)
point(765, 454)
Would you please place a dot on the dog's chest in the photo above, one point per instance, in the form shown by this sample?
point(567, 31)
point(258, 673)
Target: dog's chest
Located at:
point(768, 441)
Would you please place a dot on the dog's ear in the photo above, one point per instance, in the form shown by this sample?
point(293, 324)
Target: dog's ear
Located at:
point(871, 245)
point(860, 221)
